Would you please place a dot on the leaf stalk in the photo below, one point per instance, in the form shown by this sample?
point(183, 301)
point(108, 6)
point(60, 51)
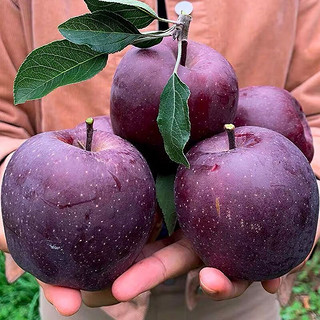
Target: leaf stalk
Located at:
point(178, 57)
point(181, 34)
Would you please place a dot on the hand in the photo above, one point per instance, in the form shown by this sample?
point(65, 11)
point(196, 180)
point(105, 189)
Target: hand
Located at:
point(167, 258)
point(68, 301)
point(172, 257)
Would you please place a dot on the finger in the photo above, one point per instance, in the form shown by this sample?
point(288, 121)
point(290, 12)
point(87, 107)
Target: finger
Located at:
point(155, 246)
point(271, 286)
point(215, 284)
point(98, 298)
point(12, 270)
point(169, 262)
point(67, 301)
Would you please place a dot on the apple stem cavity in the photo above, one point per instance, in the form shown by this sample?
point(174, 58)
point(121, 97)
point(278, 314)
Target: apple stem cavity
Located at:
point(89, 123)
point(229, 128)
point(181, 34)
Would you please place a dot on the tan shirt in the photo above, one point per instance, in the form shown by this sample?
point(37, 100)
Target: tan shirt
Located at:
point(274, 42)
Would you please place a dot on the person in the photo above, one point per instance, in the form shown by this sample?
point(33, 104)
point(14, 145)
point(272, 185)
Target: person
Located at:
point(272, 42)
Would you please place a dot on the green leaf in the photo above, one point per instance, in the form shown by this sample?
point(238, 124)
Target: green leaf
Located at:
point(56, 64)
point(138, 13)
point(165, 197)
point(102, 31)
point(173, 119)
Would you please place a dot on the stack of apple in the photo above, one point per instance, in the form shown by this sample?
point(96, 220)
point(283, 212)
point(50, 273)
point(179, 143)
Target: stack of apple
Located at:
point(91, 210)
point(243, 194)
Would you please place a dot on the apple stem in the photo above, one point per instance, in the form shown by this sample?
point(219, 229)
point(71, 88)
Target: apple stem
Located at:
point(89, 123)
point(231, 136)
point(184, 52)
point(181, 34)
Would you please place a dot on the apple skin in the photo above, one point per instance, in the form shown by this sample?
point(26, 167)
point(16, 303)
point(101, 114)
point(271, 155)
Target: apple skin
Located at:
point(251, 211)
point(276, 109)
point(76, 218)
point(102, 123)
point(140, 79)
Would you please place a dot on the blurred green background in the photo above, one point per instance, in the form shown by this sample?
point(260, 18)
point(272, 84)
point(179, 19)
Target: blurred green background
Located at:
point(20, 300)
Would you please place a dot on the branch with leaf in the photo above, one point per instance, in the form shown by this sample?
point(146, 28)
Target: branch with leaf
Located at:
point(111, 26)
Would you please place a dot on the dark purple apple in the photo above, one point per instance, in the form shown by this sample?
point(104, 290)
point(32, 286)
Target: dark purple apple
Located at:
point(140, 79)
point(102, 123)
point(250, 211)
point(276, 109)
point(77, 218)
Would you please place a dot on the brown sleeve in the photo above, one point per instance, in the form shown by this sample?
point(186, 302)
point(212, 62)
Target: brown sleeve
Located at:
point(16, 122)
point(304, 73)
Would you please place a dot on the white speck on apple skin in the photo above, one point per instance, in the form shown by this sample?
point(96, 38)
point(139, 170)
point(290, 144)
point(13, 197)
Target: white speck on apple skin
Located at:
point(54, 247)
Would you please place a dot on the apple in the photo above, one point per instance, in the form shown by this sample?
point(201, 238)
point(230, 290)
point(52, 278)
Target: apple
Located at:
point(73, 217)
point(140, 79)
point(102, 123)
point(276, 109)
point(250, 211)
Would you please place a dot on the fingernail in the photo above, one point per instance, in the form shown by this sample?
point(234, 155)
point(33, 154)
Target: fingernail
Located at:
point(203, 289)
point(206, 277)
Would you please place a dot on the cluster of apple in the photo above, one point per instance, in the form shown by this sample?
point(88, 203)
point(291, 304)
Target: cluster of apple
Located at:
point(242, 194)
point(91, 209)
